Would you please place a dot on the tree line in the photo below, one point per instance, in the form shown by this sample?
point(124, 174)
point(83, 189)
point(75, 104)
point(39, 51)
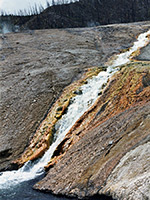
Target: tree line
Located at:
point(36, 9)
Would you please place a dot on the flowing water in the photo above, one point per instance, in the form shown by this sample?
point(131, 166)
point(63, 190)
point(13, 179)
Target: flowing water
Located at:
point(18, 182)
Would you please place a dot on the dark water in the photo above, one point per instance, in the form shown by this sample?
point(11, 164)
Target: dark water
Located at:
point(24, 191)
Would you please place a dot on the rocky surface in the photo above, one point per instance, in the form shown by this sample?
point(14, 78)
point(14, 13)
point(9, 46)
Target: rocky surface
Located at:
point(36, 66)
point(144, 54)
point(131, 177)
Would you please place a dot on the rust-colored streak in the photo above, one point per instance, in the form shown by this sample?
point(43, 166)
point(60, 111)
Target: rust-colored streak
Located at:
point(43, 137)
point(124, 90)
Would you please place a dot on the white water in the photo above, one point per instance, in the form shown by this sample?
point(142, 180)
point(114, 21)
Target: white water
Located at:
point(124, 57)
point(79, 105)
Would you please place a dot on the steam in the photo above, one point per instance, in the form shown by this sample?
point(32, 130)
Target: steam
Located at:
point(6, 27)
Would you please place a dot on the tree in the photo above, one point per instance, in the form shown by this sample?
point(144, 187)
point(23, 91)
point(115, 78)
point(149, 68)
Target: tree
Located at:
point(47, 4)
point(53, 2)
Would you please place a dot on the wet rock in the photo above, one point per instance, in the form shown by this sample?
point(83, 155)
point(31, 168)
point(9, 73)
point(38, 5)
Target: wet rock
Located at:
point(60, 108)
point(100, 93)
point(144, 53)
point(146, 80)
point(78, 92)
point(6, 153)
